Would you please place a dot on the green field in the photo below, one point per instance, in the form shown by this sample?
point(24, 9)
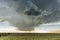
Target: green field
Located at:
point(31, 37)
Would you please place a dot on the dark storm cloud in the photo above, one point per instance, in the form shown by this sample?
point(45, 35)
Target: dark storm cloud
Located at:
point(26, 14)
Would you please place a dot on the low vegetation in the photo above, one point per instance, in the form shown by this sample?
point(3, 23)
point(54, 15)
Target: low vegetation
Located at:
point(31, 37)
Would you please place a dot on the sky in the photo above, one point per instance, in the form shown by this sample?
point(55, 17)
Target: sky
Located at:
point(7, 9)
point(43, 28)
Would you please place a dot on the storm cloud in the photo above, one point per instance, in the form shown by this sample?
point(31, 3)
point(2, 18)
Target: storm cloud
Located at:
point(27, 14)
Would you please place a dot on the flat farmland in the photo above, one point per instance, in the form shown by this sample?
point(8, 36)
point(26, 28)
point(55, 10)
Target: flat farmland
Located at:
point(30, 36)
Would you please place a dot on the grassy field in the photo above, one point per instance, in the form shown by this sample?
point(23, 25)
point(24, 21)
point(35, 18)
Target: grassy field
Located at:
point(31, 37)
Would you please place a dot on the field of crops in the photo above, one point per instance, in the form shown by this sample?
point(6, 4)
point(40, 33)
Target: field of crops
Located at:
point(31, 37)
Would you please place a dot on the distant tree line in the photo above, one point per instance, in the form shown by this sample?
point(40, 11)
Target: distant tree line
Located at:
point(4, 34)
